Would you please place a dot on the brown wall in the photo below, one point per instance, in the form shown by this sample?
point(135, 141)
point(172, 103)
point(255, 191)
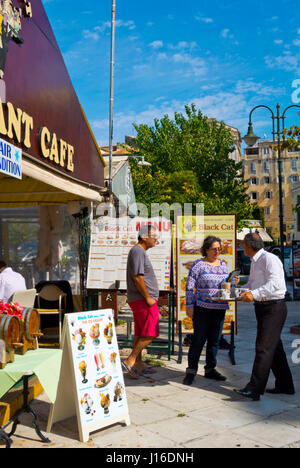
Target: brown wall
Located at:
point(38, 83)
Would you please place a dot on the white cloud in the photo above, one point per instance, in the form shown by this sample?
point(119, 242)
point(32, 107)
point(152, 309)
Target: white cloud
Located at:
point(204, 19)
point(287, 61)
point(87, 34)
point(278, 41)
point(224, 33)
point(119, 23)
point(156, 44)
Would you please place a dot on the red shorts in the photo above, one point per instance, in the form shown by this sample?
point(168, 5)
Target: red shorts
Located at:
point(146, 319)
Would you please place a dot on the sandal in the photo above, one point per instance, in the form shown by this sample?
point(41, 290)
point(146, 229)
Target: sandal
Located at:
point(148, 370)
point(131, 371)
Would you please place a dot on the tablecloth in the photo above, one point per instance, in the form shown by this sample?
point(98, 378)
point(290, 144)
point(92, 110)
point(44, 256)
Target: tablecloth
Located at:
point(44, 363)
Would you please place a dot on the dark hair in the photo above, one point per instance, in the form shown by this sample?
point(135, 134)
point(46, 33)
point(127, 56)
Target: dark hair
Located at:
point(208, 242)
point(254, 241)
point(145, 231)
point(2, 264)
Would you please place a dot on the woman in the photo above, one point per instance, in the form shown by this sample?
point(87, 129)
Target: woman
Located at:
point(204, 280)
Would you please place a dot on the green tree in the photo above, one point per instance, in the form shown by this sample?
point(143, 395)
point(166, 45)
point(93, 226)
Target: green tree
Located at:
point(190, 163)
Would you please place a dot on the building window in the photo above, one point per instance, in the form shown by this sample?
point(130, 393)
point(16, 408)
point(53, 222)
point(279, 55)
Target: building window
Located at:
point(254, 181)
point(267, 210)
point(268, 195)
point(266, 180)
point(253, 196)
point(282, 180)
point(294, 165)
point(294, 179)
point(266, 167)
point(253, 168)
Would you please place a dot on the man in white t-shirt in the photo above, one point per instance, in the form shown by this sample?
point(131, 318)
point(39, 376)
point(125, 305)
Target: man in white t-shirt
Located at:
point(10, 282)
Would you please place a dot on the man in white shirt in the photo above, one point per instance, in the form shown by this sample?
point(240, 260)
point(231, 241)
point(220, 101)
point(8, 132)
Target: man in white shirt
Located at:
point(267, 289)
point(10, 282)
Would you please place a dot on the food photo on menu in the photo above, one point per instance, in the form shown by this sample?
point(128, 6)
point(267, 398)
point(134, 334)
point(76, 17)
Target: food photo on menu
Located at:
point(98, 373)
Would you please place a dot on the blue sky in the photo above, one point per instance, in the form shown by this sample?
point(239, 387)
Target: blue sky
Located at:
point(225, 56)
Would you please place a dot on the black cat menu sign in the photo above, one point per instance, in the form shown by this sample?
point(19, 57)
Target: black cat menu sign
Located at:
point(91, 381)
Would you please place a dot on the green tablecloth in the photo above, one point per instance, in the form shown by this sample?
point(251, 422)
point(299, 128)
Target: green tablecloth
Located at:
point(44, 363)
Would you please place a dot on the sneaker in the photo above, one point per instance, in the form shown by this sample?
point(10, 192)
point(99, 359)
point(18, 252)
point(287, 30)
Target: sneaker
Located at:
point(214, 375)
point(188, 379)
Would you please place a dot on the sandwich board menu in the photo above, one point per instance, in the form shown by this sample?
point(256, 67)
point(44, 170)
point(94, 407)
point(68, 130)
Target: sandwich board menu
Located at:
point(91, 382)
point(191, 232)
point(111, 240)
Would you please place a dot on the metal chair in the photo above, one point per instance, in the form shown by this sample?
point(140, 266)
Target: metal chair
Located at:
point(52, 293)
point(24, 298)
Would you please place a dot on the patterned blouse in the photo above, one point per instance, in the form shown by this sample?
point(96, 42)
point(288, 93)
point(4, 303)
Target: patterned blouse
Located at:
point(204, 281)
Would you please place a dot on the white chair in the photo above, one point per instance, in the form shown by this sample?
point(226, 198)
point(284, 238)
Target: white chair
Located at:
point(24, 298)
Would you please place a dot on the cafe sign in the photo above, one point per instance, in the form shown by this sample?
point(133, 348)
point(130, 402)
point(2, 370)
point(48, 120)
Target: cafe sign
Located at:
point(10, 160)
point(18, 125)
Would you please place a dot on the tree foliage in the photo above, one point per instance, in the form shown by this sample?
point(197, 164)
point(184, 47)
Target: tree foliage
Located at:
point(190, 163)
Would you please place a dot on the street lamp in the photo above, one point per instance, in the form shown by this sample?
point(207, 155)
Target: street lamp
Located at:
point(111, 101)
point(250, 140)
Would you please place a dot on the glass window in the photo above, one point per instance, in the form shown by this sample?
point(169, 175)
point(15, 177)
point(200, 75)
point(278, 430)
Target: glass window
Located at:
point(253, 168)
point(294, 165)
point(294, 179)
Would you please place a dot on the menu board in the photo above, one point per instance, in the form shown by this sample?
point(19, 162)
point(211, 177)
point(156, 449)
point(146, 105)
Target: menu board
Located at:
point(191, 232)
point(111, 240)
point(296, 269)
point(92, 368)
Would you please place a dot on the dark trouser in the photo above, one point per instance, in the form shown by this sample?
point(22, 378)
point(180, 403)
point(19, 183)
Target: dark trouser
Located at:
point(207, 326)
point(270, 354)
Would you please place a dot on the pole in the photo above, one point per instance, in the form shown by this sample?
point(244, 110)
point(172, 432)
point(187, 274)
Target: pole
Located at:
point(281, 228)
point(111, 106)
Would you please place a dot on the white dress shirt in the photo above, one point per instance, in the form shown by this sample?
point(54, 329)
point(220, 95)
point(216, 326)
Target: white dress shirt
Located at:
point(10, 282)
point(266, 280)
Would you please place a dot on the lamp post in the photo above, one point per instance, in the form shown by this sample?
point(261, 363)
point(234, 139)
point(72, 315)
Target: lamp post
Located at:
point(111, 102)
point(250, 140)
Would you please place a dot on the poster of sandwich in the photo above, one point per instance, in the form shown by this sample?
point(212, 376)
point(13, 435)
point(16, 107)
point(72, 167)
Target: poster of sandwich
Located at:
point(191, 232)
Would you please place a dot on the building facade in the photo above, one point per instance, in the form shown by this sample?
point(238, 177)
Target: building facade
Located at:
point(260, 166)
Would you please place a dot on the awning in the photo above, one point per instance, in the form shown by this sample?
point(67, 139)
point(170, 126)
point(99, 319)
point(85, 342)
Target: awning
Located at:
point(41, 186)
point(259, 230)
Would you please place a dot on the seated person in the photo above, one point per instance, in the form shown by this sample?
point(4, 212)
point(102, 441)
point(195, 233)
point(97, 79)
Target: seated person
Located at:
point(10, 282)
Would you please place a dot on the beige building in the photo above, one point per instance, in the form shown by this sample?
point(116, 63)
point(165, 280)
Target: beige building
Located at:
point(260, 165)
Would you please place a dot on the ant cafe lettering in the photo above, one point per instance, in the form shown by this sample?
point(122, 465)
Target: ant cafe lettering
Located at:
point(17, 125)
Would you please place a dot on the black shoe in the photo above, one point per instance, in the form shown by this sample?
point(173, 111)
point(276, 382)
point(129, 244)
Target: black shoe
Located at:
point(276, 391)
point(188, 379)
point(214, 375)
point(248, 394)
point(224, 344)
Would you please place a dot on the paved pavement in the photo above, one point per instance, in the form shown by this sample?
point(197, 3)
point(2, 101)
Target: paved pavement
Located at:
point(166, 414)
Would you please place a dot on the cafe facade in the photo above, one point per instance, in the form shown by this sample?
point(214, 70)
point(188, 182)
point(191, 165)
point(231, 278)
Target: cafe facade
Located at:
point(51, 168)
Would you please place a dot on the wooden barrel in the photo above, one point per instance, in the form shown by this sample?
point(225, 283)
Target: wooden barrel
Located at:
point(10, 330)
point(31, 324)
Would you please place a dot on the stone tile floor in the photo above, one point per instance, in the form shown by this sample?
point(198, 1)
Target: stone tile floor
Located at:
point(166, 414)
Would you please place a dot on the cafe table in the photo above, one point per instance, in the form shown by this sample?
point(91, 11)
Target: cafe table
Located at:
point(45, 364)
